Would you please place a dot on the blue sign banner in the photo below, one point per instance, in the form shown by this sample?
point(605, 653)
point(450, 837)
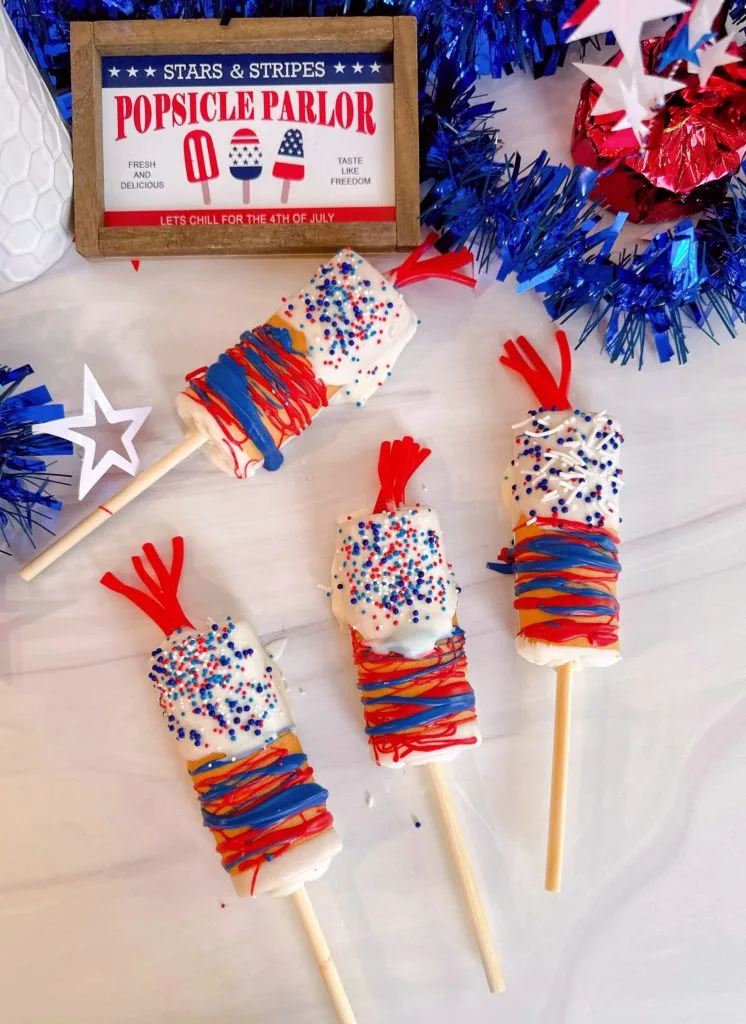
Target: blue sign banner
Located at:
point(245, 70)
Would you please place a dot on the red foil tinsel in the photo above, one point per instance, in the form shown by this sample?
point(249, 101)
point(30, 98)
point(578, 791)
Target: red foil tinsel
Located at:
point(696, 142)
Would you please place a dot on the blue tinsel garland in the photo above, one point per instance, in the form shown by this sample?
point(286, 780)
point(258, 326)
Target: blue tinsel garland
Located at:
point(26, 503)
point(493, 36)
point(535, 222)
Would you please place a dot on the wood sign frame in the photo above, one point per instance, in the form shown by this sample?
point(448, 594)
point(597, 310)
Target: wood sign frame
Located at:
point(92, 42)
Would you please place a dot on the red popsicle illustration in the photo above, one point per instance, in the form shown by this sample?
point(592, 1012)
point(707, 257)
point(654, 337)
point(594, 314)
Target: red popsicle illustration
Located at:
point(245, 159)
point(200, 161)
point(289, 163)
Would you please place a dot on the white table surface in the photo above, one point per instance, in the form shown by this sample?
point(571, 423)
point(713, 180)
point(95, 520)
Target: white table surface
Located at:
point(113, 906)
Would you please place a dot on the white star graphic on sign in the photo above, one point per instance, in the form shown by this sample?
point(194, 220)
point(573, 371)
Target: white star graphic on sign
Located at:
point(149, 72)
point(93, 396)
point(624, 18)
point(339, 68)
point(114, 72)
point(132, 72)
point(357, 68)
point(712, 57)
point(375, 67)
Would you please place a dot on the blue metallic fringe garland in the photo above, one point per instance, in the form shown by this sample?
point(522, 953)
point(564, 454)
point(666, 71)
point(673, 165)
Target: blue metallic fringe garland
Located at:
point(538, 224)
point(490, 36)
point(25, 501)
point(534, 222)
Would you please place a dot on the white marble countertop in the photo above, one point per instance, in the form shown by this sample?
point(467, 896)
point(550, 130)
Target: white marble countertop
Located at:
point(113, 906)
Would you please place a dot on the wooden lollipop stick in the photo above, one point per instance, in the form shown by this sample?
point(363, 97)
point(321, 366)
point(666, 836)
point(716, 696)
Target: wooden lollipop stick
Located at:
point(327, 967)
point(104, 512)
point(477, 916)
point(560, 756)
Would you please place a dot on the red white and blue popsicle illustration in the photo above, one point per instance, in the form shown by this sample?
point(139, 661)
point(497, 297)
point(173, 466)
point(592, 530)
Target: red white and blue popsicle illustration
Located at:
point(289, 165)
point(245, 159)
point(200, 161)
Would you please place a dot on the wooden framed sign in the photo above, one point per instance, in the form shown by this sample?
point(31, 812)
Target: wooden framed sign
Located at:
point(266, 135)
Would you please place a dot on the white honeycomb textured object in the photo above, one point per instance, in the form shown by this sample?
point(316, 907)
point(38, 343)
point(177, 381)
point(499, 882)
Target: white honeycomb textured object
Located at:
point(36, 173)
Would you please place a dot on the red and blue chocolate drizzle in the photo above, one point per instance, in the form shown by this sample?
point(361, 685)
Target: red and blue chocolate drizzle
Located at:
point(415, 704)
point(261, 382)
point(260, 805)
point(568, 571)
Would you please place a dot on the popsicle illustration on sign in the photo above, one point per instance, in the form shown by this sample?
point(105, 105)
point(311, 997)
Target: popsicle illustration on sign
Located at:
point(245, 159)
point(289, 165)
point(200, 161)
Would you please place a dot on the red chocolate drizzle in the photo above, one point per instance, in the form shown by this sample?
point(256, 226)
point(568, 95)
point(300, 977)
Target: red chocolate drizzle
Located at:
point(397, 721)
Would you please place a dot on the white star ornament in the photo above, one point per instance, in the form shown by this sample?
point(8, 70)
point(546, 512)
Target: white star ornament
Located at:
point(700, 22)
point(712, 57)
point(627, 93)
point(624, 18)
point(93, 398)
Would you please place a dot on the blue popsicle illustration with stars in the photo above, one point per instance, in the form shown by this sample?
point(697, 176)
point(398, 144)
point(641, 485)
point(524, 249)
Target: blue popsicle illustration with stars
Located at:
point(245, 159)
